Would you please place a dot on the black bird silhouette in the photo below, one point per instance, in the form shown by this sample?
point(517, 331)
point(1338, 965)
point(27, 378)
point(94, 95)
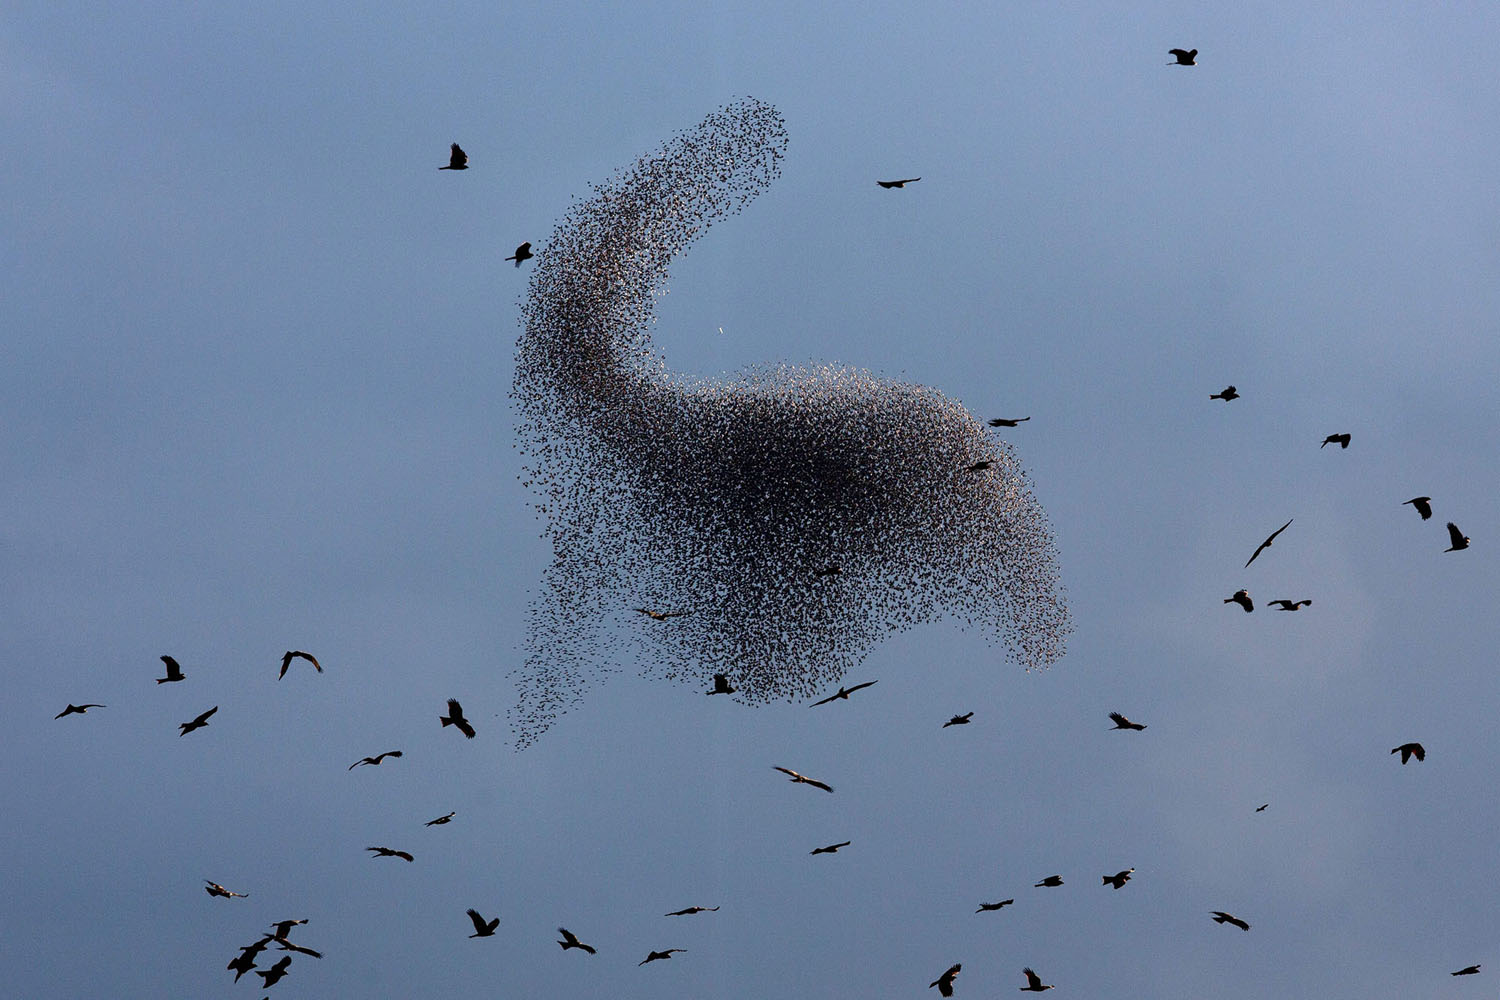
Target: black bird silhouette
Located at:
point(1422, 504)
point(895, 184)
point(215, 889)
point(439, 821)
point(959, 720)
point(386, 852)
point(286, 945)
point(1230, 392)
point(197, 723)
point(1050, 882)
point(457, 159)
point(1472, 970)
point(245, 960)
point(1267, 543)
point(830, 849)
point(1342, 440)
point(1118, 879)
point(481, 928)
point(1458, 538)
point(1123, 723)
point(1185, 57)
point(1220, 917)
point(802, 779)
point(692, 910)
point(174, 672)
point(1410, 750)
point(1005, 422)
point(944, 983)
point(979, 466)
point(76, 710)
point(274, 974)
point(376, 759)
point(571, 941)
point(1261, 809)
point(658, 955)
point(842, 693)
point(523, 252)
point(994, 906)
point(281, 928)
point(1285, 605)
point(661, 616)
point(1033, 982)
point(294, 654)
point(1242, 598)
point(721, 685)
point(455, 717)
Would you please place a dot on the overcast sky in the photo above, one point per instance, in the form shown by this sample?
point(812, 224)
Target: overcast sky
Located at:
point(258, 355)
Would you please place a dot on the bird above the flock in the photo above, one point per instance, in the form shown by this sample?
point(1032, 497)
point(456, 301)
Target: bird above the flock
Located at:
point(376, 759)
point(721, 685)
point(1285, 605)
point(803, 779)
point(1220, 917)
point(1471, 970)
point(481, 927)
point(76, 710)
point(455, 717)
point(441, 820)
point(987, 907)
point(174, 671)
point(661, 616)
point(959, 720)
point(1423, 506)
point(1050, 882)
point(1123, 723)
point(830, 849)
point(215, 889)
point(275, 973)
point(689, 911)
point(457, 159)
point(657, 956)
point(1033, 982)
point(843, 693)
point(1342, 440)
point(570, 940)
point(898, 184)
point(1242, 598)
point(979, 466)
point(1118, 879)
point(1410, 750)
point(1230, 392)
point(1457, 538)
point(1184, 57)
point(944, 983)
point(1007, 422)
point(197, 723)
point(523, 252)
point(1267, 543)
point(297, 654)
point(386, 852)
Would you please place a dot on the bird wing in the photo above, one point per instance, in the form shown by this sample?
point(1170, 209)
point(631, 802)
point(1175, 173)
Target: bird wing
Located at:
point(479, 924)
point(862, 685)
point(1032, 979)
point(403, 855)
point(1118, 719)
point(1419, 751)
point(828, 699)
point(787, 770)
point(464, 727)
point(1455, 536)
point(286, 661)
point(203, 719)
point(818, 784)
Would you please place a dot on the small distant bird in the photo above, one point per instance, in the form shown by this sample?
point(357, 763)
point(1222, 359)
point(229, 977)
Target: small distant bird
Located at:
point(1118, 879)
point(721, 685)
point(295, 654)
point(481, 928)
point(523, 252)
point(896, 184)
point(830, 849)
point(76, 710)
point(1050, 882)
point(979, 466)
point(984, 907)
point(661, 616)
point(440, 820)
point(1242, 598)
point(1003, 422)
point(802, 779)
point(1267, 543)
point(386, 852)
point(692, 910)
point(1286, 605)
point(281, 928)
point(375, 760)
point(174, 672)
point(832, 569)
point(1261, 808)
point(215, 889)
point(1342, 440)
point(1410, 750)
point(1033, 982)
point(1123, 723)
point(197, 723)
point(457, 159)
point(1220, 917)
point(1422, 504)
point(1184, 57)
point(1472, 970)
point(1230, 392)
point(958, 720)
point(944, 983)
point(571, 941)
point(658, 955)
point(842, 693)
point(455, 717)
point(275, 973)
point(1458, 538)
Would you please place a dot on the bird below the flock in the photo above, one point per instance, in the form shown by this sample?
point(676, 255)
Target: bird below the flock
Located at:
point(1285, 605)
point(661, 616)
point(1006, 422)
point(174, 671)
point(441, 820)
point(386, 852)
point(1184, 57)
point(1118, 879)
point(1230, 392)
point(571, 941)
point(802, 779)
point(1033, 982)
point(1220, 917)
point(987, 907)
point(1050, 882)
point(1242, 598)
point(1457, 538)
point(1342, 440)
point(455, 717)
point(1471, 970)
point(830, 849)
point(1123, 723)
point(197, 723)
point(275, 973)
point(523, 252)
point(481, 927)
point(958, 720)
point(1422, 504)
point(843, 693)
point(376, 759)
point(979, 466)
point(689, 911)
point(297, 654)
point(457, 159)
point(215, 889)
point(898, 184)
point(76, 710)
point(1267, 543)
point(944, 983)
point(721, 685)
point(1410, 750)
point(657, 956)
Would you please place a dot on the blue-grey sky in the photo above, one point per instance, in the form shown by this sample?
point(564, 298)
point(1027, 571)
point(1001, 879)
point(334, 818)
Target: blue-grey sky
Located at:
point(258, 353)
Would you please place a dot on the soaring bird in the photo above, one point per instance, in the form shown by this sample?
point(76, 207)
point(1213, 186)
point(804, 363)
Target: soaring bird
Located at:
point(523, 252)
point(281, 928)
point(174, 672)
point(1261, 808)
point(1050, 882)
point(1004, 422)
point(197, 723)
point(440, 820)
point(1410, 750)
point(1267, 543)
point(455, 717)
point(1230, 392)
point(457, 159)
point(830, 849)
point(481, 928)
point(842, 693)
point(689, 911)
point(1458, 538)
point(896, 184)
point(1472, 970)
point(1033, 982)
point(1342, 440)
point(571, 941)
point(1220, 917)
point(661, 616)
point(215, 889)
point(1242, 598)
point(959, 720)
point(1123, 723)
point(1118, 879)
point(1285, 605)
point(376, 759)
point(76, 710)
point(721, 685)
point(984, 907)
point(658, 955)
point(1422, 504)
point(944, 983)
point(274, 974)
point(802, 779)
point(1184, 57)
point(295, 654)
point(245, 960)
point(386, 852)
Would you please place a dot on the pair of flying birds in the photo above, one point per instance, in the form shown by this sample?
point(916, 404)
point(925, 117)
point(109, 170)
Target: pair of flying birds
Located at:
point(459, 160)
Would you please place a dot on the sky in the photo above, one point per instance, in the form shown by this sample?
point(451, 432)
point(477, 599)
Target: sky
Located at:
point(258, 357)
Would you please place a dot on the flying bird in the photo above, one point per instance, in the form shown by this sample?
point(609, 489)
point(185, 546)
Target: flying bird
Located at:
point(1286, 605)
point(1004, 422)
point(1050, 882)
point(1033, 982)
point(692, 910)
point(457, 159)
point(1422, 504)
point(174, 672)
point(1472, 970)
point(375, 760)
point(440, 820)
point(1342, 440)
point(1118, 879)
point(481, 928)
point(958, 720)
point(842, 693)
point(1267, 543)
point(197, 723)
point(1220, 917)
point(1458, 538)
point(661, 616)
point(245, 960)
point(455, 717)
point(1123, 723)
point(896, 184)
point(386, 852)
point(721, 685)
point(281, 928)
point(1261, 808)
point(983, 907)
point(286, 945)
point(295, 654)
point(801, 779)
point(1230, 392)
point(1242, 598)
point(215, 889)
point(523, 252)
point(76, 710)
point(571, 941)
point(1184, 57)
point(658, 955)
point(830, 849)
point(979, 466)
point(274, 974)
point(944, 983)
point(1410, 750)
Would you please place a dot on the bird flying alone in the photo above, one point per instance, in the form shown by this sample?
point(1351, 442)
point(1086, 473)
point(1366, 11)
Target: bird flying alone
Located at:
point(1422, 504)
point(1267, 543)
point(1410, 750)
point(1242, 598)
point(1050, 882)
point(1220, 917)
point(1118, 879)
point(1123, 723)
point(215, 889)
point(455, 717)
point(440, 820)
point(1008, 422)
point(944, 983)
point(523, 252)
point(843, 693)
point(174, 672)
point(803, 779)
point(297, 654)
point(1184, 57)
point(386, 852)
point(1033, 982)
point(657, 956)
point(76, 710)
point(958, 720)
point(376, 759)
point(1342, 440)
point(689, 911)
point(987, 907)
point(571, 941)
point(830, 849)
point(1285, 605)
point(1457, 538)
point(1230, 392)
point(457, 159)
point(898, 184)
point(481, 927)
point(197, 723)
point(1472, 970)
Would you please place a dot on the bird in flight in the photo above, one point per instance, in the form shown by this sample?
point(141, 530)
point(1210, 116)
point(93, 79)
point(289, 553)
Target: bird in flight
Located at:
point(1033, 982)
point(721, 685)
point(658, 955)
point(1458, 538)
point(523, 252)
point(1472, 970)
point(661, 616)
point(959, 720)
point(440, 820)
point(457, 159)
point(1422, 504)
point(281, 928)
point(1220, 917)
point(245, 960)
point(275, 973)
point(1184, 57)
point(896, 184)
point(1261, 808)
point(1230, 392)
point(293, 654)
point(1118, 879)
point(455, 717)
point(1242, 598)
point(1267, 543)
point(1410, 750)
point(1123, 723)
point(944, 983)
point(983, 907)
point(692, 910)
point(1050, 882)
point(843, 693)
point(174, 672)
point(830, 849)
point(215, 889)
point(76, 710)
point(1003, 422)
point(979, 466)
point(571, 941)
point(1342, 440)
point(386, 852)
point(802, 779)
point(375, 760)
point(1286, 605)
point(197, 723)
point(481, 928)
